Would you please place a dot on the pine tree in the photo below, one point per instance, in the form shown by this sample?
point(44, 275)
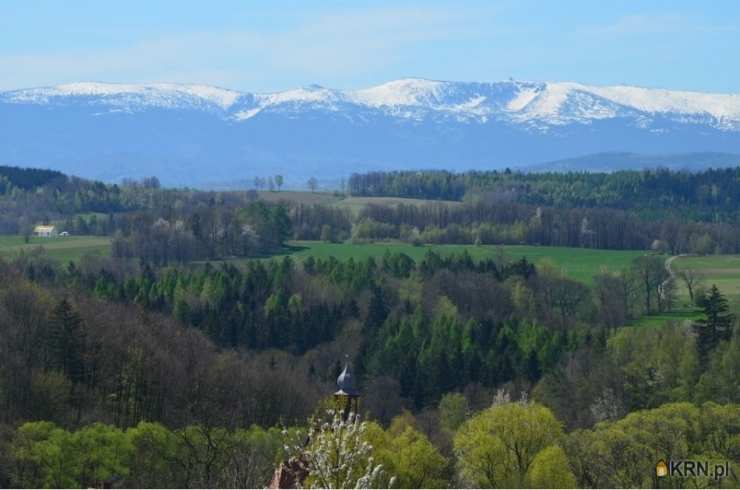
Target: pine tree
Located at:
point(533, 367)
point(715, 327)
point(377, 309)
point(66, 341)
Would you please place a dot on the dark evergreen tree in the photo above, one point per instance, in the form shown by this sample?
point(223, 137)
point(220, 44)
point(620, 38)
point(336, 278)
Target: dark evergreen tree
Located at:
point(377, 309)
point(533, 367)
point(715, 327)
point(66, 341)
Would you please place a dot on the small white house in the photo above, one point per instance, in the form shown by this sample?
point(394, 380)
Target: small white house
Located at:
point(45, 231)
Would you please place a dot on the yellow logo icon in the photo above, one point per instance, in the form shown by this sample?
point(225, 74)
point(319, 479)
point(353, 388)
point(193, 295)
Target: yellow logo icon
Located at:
point(661, 468)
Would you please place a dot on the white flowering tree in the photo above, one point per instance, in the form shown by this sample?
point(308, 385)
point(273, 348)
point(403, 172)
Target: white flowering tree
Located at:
point(339, 456)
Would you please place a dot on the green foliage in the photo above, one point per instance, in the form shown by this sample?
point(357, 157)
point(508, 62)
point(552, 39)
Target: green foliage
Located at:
point(47, 456)
point(35, 459)
point(642, 206)
point(154, 451)
point(550, 469)
point(575, 263)
point(28, 178)
point(66, 341)
point(650, 192)
point(432, 354)
point(650, 273)
point(656, 366)
point(498, 447)
point(508, 445)
point(101, 454)
point(717, 325)
point(719, 382)
point(62, 249)
point(422, 323)
point(409, 455)
point(453, 411)
point(146, 456)
point(623, 453)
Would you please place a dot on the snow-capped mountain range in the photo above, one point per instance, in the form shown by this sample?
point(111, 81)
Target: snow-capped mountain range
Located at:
point(195, 134)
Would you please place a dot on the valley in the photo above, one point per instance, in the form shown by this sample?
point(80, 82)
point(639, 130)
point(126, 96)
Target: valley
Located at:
point(155, 319)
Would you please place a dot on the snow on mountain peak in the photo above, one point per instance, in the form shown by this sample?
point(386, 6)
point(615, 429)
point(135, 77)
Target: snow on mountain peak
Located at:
point(409, 91)
point(682, 102)
point(157, 94)
point(522, 99)
point(549, 103)
point(224, 98)
point(310, 94)
point(93, 88)
point(561, 103)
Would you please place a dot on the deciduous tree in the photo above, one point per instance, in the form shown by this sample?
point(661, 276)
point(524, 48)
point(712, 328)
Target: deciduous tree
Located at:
point(497, 447)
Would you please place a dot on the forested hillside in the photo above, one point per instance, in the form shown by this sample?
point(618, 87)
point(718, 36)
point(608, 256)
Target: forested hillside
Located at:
point(710, 195)
point(201, 353)
point(29, 178)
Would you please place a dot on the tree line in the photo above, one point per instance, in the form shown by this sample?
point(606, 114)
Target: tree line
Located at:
point(205, 232)
point(710, 195)
point(512, 444)
point(625, 210)
point(487, 221)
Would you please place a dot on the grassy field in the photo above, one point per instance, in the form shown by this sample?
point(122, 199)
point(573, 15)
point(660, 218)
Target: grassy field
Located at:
point(722, 270)
point(301, 197)
point(61, 248)
point(679, 315)
point(354, 204)
point(578, 263)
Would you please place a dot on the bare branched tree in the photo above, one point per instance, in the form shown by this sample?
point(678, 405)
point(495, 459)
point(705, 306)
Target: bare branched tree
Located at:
point(692, 279)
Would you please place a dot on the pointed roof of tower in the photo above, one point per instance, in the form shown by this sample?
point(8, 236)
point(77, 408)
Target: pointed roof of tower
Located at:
point(346, 383)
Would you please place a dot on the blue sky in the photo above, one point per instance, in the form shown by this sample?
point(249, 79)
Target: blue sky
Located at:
point(267, 46)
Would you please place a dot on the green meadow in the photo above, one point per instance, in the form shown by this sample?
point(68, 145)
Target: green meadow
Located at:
point(578, 263)
point(65, 249)
point(677, 316)
point(722, 270)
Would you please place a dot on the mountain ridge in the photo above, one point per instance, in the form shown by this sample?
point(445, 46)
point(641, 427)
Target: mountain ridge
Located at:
point(523, 99)
point(191, 134)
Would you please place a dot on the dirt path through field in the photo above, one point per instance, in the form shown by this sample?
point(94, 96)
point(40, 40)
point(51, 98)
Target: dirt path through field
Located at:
point(670, 271)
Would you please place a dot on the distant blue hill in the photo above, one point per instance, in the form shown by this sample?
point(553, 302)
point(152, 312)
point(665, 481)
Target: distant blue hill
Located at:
point(616, 161)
